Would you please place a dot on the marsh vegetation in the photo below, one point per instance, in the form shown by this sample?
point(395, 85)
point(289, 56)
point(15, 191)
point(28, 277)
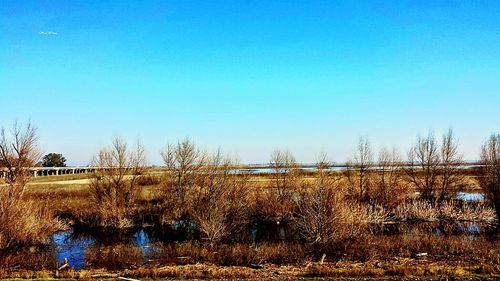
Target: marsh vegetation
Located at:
point(391, 214)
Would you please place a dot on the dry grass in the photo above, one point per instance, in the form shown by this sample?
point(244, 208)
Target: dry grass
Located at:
point(449, 210)
point(25, 219)
point(27, 223)
point(60, 178)
point(384, 271)
point(465, 211)
point(373, 256)
point(415, 210)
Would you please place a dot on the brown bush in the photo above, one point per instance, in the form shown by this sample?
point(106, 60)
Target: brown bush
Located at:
point(219, 204)
point(233, 254)
point(149, 179)
point(433, 169)
point(419, 210)
point(183, 164)
point(326, 214)
point(114, 257)
point(113, 186)
point(23, 222)
point(490, 172)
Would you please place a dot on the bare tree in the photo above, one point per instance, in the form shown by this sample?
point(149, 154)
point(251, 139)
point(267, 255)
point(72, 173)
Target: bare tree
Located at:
point(18, 153)
point(183, 163)
point(490, 176)
point(22, 221)
point(326, 216)
point(114, 182)
point(450, 171)
point(284, 176)
point(358, 171)
point(387, 182)
point(284, 173)
point(218, 205)
point(317, 215)
point(434, 170)
point(423, 160)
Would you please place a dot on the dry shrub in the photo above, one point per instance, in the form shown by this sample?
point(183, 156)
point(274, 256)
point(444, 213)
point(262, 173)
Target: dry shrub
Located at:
point(276, 202)
point(149, 179)
point(389, 188)
point(113, 257)
point(32, 258)
point(233, 254)
point(376, 183)
point(448, 210)
point(204, 189)
point(270, 206)
point(113, 185)
point(416, 210)
point(219, 206)
point(465, 211)
point(183, 164)
point(325, 213)
point(490, 172)
point(434, 170)
point(358, 173)
point(23, 222)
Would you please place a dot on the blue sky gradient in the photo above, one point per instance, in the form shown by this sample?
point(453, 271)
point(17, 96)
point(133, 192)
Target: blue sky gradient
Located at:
point(250, 76)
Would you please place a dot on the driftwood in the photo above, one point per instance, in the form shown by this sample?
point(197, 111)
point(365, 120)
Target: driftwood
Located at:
point(256, 266)
point(104, 275)
point(127, 279)
point(65, 265)
point(322, 259)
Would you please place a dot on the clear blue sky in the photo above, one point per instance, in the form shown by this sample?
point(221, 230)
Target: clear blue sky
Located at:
point(250, 76)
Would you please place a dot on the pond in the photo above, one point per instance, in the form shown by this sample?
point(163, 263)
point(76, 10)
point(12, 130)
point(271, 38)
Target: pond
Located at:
point(82, 250)
point(139, 246)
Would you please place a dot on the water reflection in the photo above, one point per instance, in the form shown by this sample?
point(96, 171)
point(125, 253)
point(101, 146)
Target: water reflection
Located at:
point(440, 228)
point(97, 248)
point(131, 249)
point(141, 239)
point(470, 196)
point(71, 247)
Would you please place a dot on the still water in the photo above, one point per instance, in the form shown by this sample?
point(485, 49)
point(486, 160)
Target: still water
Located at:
point(139, 246)
point(126, 249)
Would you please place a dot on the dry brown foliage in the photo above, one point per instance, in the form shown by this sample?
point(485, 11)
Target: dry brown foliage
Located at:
point(114, 183)
point(434, 169)
point(327, 215)
point(490, 172)
point(448, 210)
point(22, 222)
point(220, 201)
point(183, 164)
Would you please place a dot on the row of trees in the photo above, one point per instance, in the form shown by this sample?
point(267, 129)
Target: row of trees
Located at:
point(204, 187)
point(432, 168)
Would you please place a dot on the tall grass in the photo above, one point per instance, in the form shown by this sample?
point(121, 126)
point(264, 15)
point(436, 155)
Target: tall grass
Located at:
point(25, 222)
point(22, 221)
point(418, 210)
